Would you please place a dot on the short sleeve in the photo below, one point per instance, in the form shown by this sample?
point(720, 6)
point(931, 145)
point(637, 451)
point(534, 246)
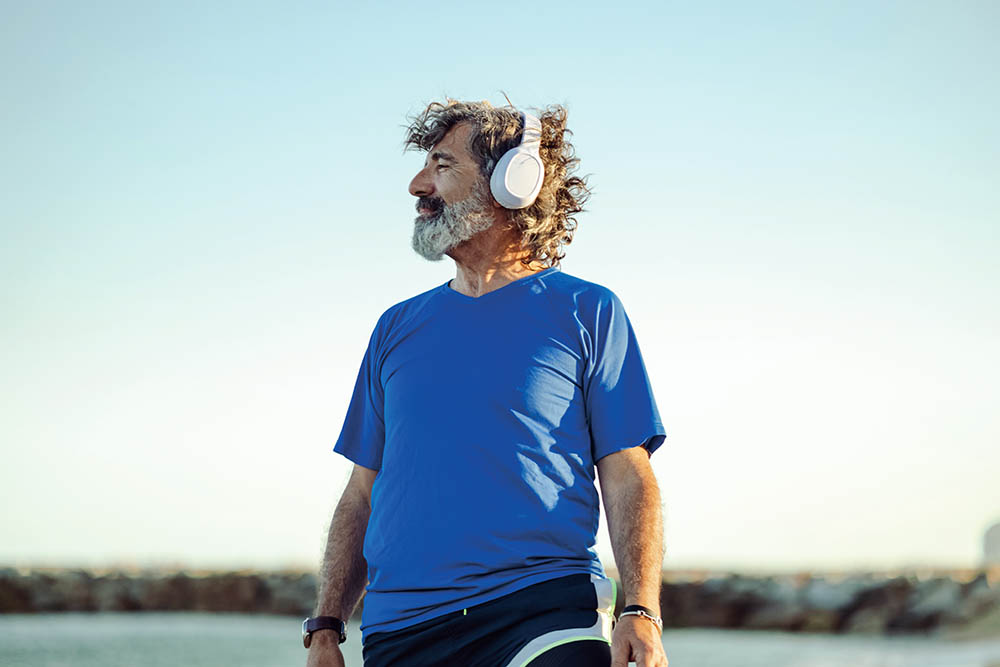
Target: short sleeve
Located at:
point(363, 434)
point(621, 410)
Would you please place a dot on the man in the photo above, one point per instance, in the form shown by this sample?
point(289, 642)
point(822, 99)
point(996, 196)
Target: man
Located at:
point(479, 414)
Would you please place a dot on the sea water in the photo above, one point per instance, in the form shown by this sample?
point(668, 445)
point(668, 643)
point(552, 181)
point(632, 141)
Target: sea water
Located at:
point(217, 640)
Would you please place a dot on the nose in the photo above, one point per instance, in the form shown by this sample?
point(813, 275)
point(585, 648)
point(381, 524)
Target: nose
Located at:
point(422, 185)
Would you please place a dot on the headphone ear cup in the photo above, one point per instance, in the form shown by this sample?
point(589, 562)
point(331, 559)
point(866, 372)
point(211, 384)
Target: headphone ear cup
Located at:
point(517, 178)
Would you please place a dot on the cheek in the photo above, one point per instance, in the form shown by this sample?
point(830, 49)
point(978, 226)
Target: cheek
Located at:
point(447, 189)
point(461, 186)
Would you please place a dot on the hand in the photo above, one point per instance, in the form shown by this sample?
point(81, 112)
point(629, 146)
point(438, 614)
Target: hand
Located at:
point(323, 652)
point(636, 638)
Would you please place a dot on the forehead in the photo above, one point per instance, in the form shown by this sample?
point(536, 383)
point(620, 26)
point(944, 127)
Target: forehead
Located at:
point(455, 143)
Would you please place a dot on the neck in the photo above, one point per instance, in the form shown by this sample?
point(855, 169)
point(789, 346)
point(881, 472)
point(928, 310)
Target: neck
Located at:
point(489, 261)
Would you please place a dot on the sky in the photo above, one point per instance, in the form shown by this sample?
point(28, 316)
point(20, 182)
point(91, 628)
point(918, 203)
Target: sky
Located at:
point(203, 212)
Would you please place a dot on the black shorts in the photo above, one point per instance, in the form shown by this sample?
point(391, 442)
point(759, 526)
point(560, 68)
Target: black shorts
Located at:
point(533, 626)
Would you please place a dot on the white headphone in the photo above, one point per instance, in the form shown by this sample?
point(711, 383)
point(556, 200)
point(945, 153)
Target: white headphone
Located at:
point(517, 178)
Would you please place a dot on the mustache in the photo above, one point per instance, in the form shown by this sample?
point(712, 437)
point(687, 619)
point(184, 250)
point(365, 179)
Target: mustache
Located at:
point(433, 204)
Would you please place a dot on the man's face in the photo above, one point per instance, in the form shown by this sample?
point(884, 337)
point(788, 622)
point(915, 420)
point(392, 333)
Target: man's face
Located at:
point(453, 202)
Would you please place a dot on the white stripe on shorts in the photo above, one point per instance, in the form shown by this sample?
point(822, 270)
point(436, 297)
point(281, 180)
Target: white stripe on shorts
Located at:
point(601, 630)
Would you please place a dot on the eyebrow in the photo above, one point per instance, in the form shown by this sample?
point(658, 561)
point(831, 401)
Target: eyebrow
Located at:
point(441, 155)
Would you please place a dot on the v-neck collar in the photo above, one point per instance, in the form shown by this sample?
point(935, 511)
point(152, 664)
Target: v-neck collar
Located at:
point(509, 287)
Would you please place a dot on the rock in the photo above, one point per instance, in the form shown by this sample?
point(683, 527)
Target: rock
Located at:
point(820, 620)
point(727, 602)
point(822, 595)
point(872, 620)
point(714, 603)
point(684, 605)
point(979, 594)
point(118, 592)
point(68, 590)
point(929, 603)
point(170, 592)
point(15, 596)
point(986, 626)
point(876, 608)
point(826, 602)
point(231, 592)
point(292, 594)
point(781, 608)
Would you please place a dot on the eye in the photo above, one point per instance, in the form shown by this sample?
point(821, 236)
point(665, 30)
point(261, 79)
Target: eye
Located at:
point(442, 167)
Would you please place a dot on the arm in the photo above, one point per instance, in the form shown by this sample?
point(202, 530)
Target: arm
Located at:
point(635, 522)
point(344, 571)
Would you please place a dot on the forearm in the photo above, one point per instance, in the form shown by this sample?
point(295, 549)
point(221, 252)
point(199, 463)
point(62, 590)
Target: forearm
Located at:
point(635, 522)
point(344, 571)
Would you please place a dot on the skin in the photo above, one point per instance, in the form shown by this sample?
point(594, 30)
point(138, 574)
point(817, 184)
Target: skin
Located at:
point(631, 495)
point(344, 570)
point(635, 523)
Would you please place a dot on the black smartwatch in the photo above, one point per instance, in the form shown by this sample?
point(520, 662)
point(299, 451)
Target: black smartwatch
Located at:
point(311, 625)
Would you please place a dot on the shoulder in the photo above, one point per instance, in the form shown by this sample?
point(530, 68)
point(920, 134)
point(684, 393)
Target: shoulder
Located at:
point(400, 314)
point(585, 295)
point(411, 305)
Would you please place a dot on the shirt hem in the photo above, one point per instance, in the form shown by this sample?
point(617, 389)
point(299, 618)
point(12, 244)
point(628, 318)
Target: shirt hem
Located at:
point(520, 584)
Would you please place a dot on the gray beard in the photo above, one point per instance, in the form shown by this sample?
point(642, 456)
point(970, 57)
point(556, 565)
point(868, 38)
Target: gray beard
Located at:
point(454, 224)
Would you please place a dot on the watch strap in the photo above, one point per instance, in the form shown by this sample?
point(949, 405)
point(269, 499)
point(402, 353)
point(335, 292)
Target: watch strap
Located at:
point(311, 625)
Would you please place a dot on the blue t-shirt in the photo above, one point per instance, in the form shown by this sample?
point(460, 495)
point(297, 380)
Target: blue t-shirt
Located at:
point(484, 417)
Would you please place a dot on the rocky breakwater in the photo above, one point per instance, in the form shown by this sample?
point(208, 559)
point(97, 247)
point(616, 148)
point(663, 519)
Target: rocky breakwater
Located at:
point(49, 590)
point(956, 603)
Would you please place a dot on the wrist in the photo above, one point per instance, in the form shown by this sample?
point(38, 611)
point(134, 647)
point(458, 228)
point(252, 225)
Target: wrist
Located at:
point(324, 638)
point(639, 611)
